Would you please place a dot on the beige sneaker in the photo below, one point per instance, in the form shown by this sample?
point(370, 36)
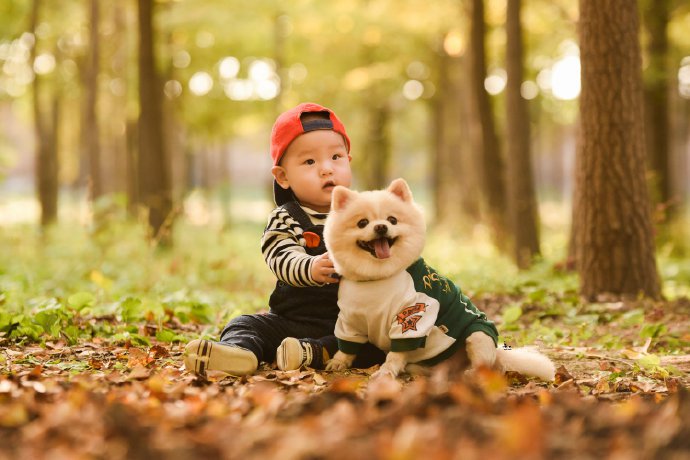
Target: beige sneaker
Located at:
point(294, 353)
point(203, 355)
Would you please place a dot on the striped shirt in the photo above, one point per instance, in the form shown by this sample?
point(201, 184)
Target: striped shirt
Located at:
point(283, 247)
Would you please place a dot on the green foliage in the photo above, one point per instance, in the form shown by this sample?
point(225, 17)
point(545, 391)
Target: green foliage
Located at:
point(73, 283)
point(81, 300)
point(511, 314)
point(78, 283)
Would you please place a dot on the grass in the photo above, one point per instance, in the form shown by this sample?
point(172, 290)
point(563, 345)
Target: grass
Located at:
point(81, 281)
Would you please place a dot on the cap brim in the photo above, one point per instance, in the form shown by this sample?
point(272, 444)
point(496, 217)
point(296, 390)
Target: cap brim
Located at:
point(281, 195)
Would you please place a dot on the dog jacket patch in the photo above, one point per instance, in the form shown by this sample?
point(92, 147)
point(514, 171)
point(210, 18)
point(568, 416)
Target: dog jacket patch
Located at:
point(410, 316)
point(416, 319)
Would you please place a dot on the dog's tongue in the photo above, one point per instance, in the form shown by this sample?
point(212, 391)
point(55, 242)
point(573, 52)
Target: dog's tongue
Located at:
point(382, 248)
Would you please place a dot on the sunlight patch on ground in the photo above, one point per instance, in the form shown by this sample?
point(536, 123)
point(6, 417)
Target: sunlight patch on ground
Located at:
point(201, 211)
point(19, 211)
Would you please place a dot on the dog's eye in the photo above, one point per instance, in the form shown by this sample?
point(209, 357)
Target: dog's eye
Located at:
point(362, 223)
point(392, 220)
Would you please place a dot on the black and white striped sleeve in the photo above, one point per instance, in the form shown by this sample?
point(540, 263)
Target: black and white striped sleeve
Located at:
point(282, 251)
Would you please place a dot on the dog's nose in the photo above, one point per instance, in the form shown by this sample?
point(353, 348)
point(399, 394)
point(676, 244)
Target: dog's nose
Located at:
point(381, 229)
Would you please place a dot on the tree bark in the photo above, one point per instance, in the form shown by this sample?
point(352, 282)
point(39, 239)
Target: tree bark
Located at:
point(522, 201)
point(45, 123)
point(456, 200)
point(91, 127)
point(614, 242)
point(439, 137)
point(153, 169)
point(493, 180)
point(656, 17)
point(378, 139)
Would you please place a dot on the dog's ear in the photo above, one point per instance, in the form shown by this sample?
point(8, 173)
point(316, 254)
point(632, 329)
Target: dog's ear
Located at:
point(341, 196)
point(400, 189)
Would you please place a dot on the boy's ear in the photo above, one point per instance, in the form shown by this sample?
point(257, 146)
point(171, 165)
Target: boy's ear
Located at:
point(341, 196)
point(400, 189)
point(280, 176)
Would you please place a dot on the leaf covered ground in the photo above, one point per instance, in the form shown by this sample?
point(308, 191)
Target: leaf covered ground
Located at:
point(92, 331)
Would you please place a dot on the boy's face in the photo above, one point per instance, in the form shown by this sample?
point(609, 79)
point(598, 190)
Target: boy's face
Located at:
point(312, 166)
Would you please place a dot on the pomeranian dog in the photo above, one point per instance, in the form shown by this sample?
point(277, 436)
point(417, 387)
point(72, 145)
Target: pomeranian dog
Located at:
point(389, 296)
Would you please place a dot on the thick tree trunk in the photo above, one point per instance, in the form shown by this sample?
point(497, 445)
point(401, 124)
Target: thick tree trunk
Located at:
point(91, 127)
point(46, 123)
point(522, 201)
point(153, 169)
point(656, 16)
point(455, 199)
point(615, 246)
point(493, 180)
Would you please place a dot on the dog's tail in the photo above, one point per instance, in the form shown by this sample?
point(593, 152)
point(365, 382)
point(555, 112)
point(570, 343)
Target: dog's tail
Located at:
point(527, 361)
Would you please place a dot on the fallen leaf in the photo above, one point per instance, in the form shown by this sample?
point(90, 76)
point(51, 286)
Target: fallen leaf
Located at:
point(139, 372)
point(383, 388)
point(562, 376)
point(137, 357)
point(159, 351)
point(346, 385)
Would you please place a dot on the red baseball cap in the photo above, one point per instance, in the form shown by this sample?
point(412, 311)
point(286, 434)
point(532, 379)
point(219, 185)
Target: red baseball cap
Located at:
point(289, 126)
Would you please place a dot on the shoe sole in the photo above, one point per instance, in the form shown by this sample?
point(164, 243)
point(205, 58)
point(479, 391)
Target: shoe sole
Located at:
point(204, 355)
point(289, 347)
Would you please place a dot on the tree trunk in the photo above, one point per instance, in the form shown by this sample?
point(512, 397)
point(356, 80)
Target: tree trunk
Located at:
point(378, 141)
point(91, 127)
point(439, 137)
point(45, 122)
point(131, 167)
point(280, 34)
point(614, 242)
point(522, 201)
point(456, 200)
point(493, 181)
point(117, 127)
point(656, 17)
point(153, 169)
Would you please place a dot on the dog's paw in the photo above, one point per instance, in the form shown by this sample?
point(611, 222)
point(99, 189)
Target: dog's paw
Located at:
point(340, 361)
point(334, 365)
point(386, 371)
point(381, 374)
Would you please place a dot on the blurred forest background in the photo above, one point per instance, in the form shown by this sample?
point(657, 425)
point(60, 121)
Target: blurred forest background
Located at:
point(547, 140)
point(165, 107)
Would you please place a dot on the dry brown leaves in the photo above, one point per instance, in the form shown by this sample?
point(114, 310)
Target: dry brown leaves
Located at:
point(101, 401)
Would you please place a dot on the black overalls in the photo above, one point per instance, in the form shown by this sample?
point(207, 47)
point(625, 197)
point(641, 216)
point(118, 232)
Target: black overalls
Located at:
point(300, 312)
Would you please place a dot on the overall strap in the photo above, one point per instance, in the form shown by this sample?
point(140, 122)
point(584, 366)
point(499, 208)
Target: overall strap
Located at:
point(297, 213)
point(312, 233)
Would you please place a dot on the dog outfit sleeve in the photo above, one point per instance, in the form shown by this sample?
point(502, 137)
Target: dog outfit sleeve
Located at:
point(457, 312)
point(350, 339)
point(281, 246)
point(413, 323)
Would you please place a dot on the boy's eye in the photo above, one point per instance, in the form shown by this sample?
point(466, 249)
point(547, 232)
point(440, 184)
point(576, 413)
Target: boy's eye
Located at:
point(362, 223)
point(337, 156)
point(309, 162)
point(392, 220)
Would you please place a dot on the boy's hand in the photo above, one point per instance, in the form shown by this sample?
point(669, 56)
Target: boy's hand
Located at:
point(322, 270)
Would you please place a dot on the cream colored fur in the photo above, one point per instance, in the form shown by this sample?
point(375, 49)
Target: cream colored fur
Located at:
point(344, 229)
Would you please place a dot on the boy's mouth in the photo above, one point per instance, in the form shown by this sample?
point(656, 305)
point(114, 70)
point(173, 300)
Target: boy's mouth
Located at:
point(329, 184)
point(379, 248)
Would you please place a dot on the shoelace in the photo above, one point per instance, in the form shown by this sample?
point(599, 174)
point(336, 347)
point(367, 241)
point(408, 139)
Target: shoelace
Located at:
point(307, 353)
